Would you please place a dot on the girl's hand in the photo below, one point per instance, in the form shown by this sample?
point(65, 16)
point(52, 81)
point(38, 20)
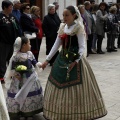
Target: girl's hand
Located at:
point(72, 65)
point(18, 76)
point(44, 65)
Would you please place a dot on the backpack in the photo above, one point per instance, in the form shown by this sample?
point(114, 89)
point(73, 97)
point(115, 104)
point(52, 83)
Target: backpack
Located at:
point(108, 25)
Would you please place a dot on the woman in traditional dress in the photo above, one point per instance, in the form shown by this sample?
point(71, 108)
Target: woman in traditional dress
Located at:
point(72, 92)
point(24, 95)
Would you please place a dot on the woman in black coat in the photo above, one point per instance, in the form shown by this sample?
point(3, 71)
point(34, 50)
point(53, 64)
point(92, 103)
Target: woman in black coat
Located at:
point(28, 25)
point(51, 25)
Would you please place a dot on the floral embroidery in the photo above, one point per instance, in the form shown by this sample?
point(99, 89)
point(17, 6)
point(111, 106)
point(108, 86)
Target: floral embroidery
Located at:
point(5, 20)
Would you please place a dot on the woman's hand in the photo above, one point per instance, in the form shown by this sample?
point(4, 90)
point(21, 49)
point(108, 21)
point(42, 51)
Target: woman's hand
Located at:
point(44, 65)
point(72, 65)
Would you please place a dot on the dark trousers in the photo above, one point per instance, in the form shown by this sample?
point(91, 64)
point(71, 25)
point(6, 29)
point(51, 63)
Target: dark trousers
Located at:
point(89, 43)
point(6, 52)
point(99, 43)
point(35, 47)
point(110, 41)
point(118, 42)
point(49, 44)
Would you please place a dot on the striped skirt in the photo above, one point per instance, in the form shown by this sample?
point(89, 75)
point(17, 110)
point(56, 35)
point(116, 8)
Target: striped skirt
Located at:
point(79, 102)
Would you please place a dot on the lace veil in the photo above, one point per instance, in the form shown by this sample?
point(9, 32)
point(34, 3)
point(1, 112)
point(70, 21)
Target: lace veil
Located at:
point(79, 19)
point(79, 24)
point(9, 72)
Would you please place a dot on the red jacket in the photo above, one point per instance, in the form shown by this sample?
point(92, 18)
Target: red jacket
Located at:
point(38, 24)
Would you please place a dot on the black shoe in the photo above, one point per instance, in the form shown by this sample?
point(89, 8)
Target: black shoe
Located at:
point(109, 50)
point(29, 118)
point(100, 52)
point(92, 52)
point(113, 50)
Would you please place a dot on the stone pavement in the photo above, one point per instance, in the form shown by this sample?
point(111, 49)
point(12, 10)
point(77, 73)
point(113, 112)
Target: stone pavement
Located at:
point(107, 71)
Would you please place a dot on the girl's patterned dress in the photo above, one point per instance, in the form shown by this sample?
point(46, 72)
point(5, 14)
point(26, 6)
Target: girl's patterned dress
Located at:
point(33, 103)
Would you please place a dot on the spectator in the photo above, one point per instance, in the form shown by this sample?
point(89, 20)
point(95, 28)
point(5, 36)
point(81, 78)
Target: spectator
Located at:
point(92, 4)
point(94, 10)
point(9, 30)
point(16, 9)
point(81, 9)
point(28, 25)
point(35, 11)
point(111, 34)
point(56, 5)
point(56, 8)
point(101, 17)
point(51, 23)
point(118, 17)
point(90, 22)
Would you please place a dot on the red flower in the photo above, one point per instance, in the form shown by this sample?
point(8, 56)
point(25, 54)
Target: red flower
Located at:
point(63, 36)
point(64, 39)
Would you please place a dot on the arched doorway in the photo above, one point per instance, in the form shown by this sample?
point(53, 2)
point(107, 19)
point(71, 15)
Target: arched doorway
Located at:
point(34, 2)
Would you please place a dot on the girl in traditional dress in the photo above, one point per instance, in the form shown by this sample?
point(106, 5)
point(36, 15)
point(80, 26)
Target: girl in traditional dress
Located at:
point(72, 92)
point(3, 109)
point(24, 95)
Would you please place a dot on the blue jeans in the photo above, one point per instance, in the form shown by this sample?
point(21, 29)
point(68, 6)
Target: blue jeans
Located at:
point(94, 41)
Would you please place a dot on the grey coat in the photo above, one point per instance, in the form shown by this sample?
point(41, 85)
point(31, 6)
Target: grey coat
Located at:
point(89, 19)
point(100, 18)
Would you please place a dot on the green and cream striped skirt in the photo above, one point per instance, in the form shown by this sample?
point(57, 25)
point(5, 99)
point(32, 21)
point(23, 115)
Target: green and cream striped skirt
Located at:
point(79, 102)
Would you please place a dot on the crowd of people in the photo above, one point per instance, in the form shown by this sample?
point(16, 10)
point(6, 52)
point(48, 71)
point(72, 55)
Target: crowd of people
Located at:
point(71, 91)
point(99, 19)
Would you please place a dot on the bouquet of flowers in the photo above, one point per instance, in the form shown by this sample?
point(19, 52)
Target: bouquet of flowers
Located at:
point(21, 69)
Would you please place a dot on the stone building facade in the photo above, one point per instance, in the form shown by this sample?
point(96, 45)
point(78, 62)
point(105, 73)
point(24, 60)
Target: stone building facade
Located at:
point(62, 4)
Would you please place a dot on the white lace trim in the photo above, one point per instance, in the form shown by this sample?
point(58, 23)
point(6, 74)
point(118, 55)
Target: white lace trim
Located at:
point(72, 30)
